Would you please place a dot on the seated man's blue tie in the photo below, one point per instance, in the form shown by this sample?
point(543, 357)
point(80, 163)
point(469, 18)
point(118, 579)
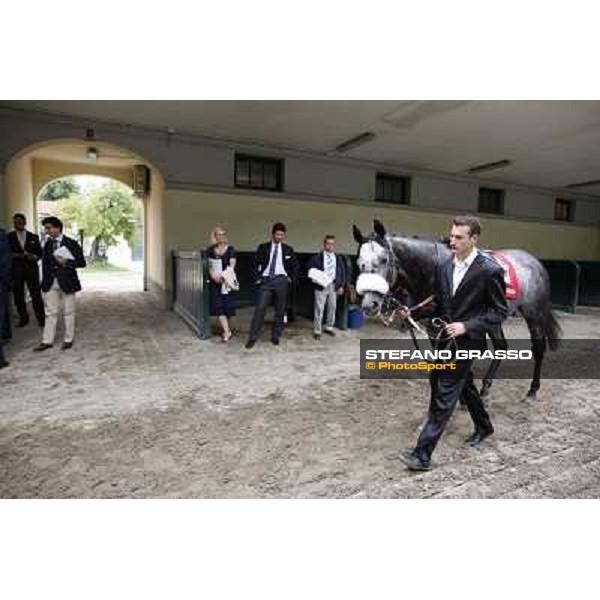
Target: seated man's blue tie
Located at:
point(273, 262)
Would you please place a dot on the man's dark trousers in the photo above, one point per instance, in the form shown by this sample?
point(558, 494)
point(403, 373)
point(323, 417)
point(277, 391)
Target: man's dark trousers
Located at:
point(29, 274)
point(275, 288)
point(445, 392)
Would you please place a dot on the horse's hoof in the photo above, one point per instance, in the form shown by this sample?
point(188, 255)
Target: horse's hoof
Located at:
point(532, 395)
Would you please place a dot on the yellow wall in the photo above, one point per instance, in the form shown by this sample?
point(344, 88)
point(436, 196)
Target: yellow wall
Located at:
point(25, 177)
point(182, 220)
point(154, 239)
point(191, 215)
point(45, 171)
point(19, 191)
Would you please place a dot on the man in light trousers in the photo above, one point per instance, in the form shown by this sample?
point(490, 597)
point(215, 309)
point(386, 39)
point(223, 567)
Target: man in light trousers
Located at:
point(61, 258)
point(326, 297)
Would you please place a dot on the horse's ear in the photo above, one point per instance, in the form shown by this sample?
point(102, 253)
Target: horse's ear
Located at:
point(378, 228)
point(358, 236)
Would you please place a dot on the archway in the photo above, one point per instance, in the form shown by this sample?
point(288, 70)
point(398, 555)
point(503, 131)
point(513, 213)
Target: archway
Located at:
point(35, 166)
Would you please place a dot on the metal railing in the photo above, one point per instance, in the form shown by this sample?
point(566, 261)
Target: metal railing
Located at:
point(190, 290)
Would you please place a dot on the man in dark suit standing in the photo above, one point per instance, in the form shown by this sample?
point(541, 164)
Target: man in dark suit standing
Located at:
point(61, 258)
point(5, 281)
point(26, 251)
point(275, 269)
point(470, 297)
point(326, 297)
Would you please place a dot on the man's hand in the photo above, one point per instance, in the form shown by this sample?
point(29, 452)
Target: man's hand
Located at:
point(340, 290)
point(455, 329)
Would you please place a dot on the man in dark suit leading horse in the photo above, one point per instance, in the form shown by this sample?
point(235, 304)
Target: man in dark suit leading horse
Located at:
point(469, 296)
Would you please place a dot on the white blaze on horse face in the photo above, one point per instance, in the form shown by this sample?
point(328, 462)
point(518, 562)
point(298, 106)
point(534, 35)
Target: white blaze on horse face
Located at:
point(372, 261)
point(372, 258)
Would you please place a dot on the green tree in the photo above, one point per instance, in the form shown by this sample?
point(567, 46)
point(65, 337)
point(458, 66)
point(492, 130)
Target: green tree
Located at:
point(103, 214)
point(59, 189)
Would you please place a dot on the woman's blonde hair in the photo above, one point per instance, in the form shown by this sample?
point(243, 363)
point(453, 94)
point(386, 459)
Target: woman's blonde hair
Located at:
point(213, 234)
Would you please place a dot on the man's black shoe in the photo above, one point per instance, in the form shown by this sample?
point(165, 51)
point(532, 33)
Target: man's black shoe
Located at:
point(414, 463)
point(67, 345)
point(477, 437)
point(275, 341)
point(250, 344)
point(317, 336)
point(41, 347)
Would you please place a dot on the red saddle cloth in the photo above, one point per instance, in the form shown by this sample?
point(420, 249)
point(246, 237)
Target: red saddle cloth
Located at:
point(510, 275)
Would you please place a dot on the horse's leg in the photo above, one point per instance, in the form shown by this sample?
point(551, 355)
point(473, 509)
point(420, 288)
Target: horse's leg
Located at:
point(499, 343)
point(538, 348)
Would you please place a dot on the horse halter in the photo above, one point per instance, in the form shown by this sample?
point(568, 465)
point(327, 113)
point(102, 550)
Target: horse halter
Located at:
point(390, 306)
point(393, 268)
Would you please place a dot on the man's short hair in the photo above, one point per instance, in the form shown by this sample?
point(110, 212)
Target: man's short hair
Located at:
point(279, 227)
point(20, 216)
point(53, 222)
point(329, 236)
point(470, 221)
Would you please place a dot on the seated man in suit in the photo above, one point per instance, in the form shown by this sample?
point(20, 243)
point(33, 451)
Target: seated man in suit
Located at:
point(59, 282)
point(5, 281)
point(328, 262)
point(26, 252)
point(469, 293)
point(275, 269)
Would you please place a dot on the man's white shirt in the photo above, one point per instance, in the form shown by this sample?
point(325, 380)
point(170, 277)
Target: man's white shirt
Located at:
point(22, 237)
point(461, 267)
point(279, 270)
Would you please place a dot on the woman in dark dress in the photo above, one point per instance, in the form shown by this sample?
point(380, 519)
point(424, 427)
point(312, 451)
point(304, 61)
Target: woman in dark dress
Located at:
point(221, 305)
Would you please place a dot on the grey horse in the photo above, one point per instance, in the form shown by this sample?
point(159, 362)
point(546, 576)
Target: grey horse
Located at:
point(407, 264)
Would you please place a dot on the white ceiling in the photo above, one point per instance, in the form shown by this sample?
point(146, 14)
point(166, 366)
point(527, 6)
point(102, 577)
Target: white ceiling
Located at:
point(551, 143)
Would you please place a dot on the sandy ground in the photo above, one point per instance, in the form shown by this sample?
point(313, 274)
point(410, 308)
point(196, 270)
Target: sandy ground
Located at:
point(142, 408)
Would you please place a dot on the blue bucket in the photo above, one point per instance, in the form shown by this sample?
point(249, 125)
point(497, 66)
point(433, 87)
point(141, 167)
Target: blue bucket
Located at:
point(355, 318)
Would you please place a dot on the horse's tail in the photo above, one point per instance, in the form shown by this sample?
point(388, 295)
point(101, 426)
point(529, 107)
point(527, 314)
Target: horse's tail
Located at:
point(552, 330)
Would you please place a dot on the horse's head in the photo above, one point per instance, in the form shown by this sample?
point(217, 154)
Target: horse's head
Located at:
point(395, 263)
point(378, 268)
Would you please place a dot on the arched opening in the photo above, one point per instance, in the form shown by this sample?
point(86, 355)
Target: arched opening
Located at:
point(35, 167)
point(107, 219)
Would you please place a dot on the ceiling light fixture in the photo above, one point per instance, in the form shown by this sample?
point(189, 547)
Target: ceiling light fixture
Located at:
point(359, 140)
point(584, 183)
point(500, 164)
